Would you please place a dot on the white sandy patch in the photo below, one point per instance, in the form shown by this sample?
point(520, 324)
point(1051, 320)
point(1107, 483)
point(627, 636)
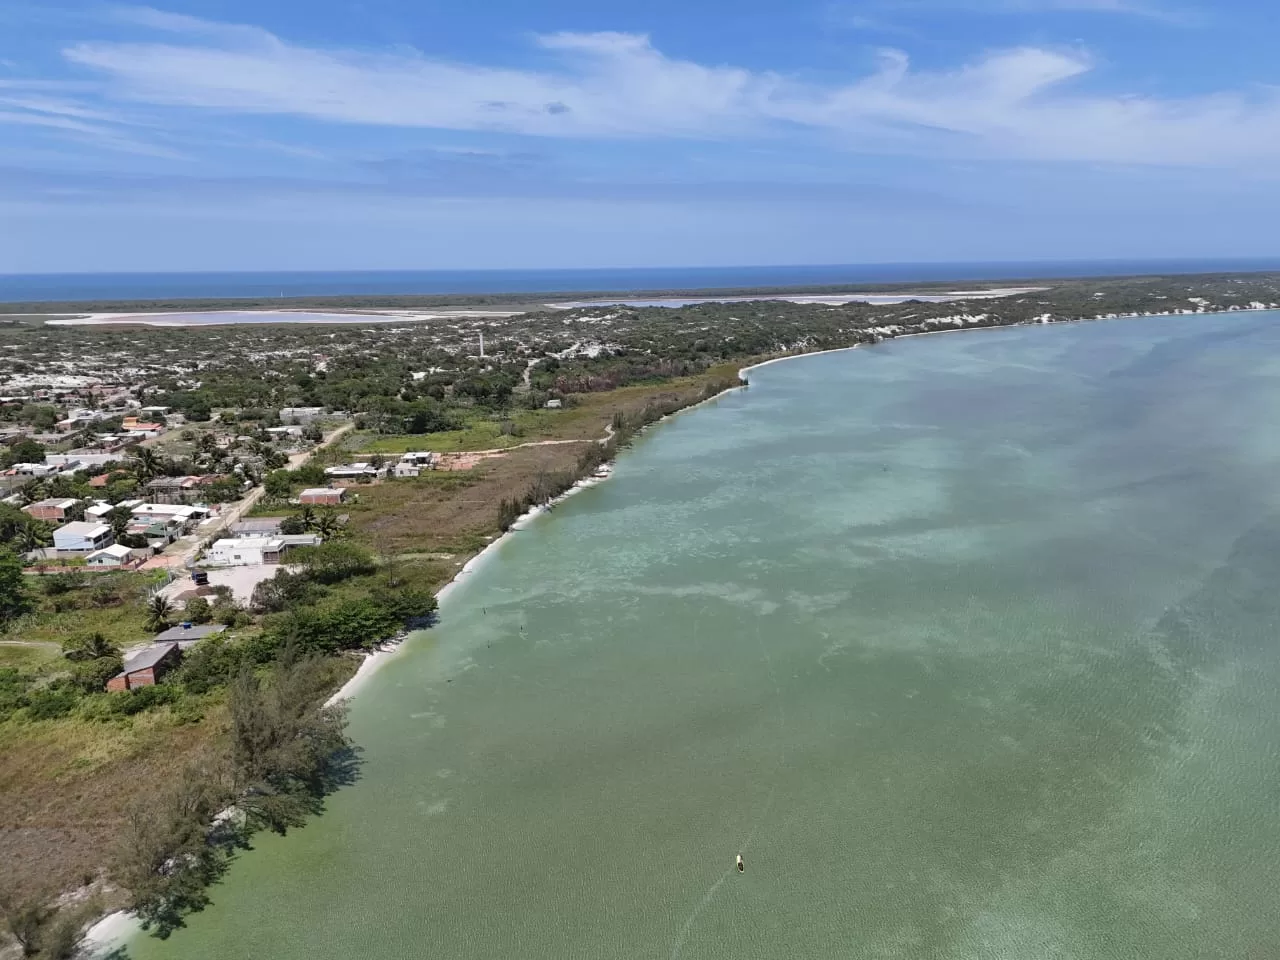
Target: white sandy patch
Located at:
point(206, 318)
point(111, 932)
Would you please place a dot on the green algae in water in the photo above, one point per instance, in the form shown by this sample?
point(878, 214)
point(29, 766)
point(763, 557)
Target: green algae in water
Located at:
point(967, 643)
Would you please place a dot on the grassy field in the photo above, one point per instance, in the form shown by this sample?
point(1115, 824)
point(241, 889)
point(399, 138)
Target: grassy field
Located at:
point(585, 420)
point(452, 515)
point(26, 655)
point(66, 786)
point(117, 613)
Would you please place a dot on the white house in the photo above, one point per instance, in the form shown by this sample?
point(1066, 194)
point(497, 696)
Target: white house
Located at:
point(412, 464)
point(32, 470)
point(115, 555)
point(169, 511)
point(355, 471)
point(98, 510)
point(84, 536)
point(246, 551)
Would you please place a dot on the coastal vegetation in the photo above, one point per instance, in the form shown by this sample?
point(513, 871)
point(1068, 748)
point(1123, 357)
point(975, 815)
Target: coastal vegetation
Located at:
point(117, 794)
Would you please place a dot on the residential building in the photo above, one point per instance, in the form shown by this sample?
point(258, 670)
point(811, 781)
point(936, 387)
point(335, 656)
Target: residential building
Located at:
point(82, 537)
point(187, 635)
point(280, 433)
point(250, 551)
point(421, 458)
point(355, 471)
point(185, 513)
point(323, 496)
point(31, 470)
point(53, 510)
point(81, 459)
point(300, 414)
point(159, 532)
point(116, 555)
point(257, 527)
point(146, 428)
point(146, 668)
point(412, 464)
point(98, 510)
point(173, 490)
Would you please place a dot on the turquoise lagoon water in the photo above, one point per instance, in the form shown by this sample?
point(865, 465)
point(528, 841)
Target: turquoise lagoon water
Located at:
point(968, 643)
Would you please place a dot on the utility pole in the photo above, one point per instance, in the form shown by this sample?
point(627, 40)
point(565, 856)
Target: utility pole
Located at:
point(481, 344)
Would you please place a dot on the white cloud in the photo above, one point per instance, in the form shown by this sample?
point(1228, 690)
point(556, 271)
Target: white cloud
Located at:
point(1017, 103)
point(26, 104)
point(855, 11)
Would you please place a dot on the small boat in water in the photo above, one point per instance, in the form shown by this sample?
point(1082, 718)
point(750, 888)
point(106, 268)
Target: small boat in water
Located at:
point(742, 867)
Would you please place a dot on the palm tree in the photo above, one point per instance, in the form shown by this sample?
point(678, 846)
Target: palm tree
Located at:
point(33, 491)
point(326, 524)
point(119, 518)
point(93, 647)
point(146, 464)
point(159, 610)
point(308, 517)
point(32, 536)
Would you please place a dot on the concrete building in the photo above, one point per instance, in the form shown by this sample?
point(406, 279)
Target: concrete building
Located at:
point(187, 635)
point(52, 510)
point(323, 496)
point(290, 415)
point(82, 537)
point(412, 464)
point(80, 459)
point(174, 490)
point(116, 555)
point(257, 527)
point(146, 668)
point(355, 471)
point(251, 551)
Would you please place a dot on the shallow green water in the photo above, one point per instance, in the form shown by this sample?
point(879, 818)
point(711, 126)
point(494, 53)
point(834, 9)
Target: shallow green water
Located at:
point(969, 643)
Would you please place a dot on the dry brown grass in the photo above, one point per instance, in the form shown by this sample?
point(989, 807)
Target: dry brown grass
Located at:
point(456, 513)
point(66, 787)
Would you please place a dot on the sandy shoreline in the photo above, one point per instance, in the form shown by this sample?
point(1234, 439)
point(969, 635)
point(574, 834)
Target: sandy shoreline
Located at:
point(213, 318)
point(115, 929)
point(375, 661)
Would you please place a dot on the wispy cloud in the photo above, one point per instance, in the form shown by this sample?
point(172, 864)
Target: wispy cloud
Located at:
point(1013, 103)
point(870, 11)
point(28, 104)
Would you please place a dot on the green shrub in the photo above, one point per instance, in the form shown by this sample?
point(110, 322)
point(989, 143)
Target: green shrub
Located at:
point(51, 703)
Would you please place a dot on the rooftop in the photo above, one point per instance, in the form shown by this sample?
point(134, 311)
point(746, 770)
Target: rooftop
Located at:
point(248, 543)
point(61, 503)
point(115, 550)
point(191, 631)
point(149, 657)
point(83, 528)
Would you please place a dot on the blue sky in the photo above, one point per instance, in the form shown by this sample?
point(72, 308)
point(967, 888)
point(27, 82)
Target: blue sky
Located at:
point(421, 134)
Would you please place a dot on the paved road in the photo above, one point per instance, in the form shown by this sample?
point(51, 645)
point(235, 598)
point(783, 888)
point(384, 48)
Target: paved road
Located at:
point(183, 553)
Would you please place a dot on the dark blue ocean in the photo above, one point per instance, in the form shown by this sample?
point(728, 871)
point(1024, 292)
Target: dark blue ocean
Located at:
point(164, 286)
